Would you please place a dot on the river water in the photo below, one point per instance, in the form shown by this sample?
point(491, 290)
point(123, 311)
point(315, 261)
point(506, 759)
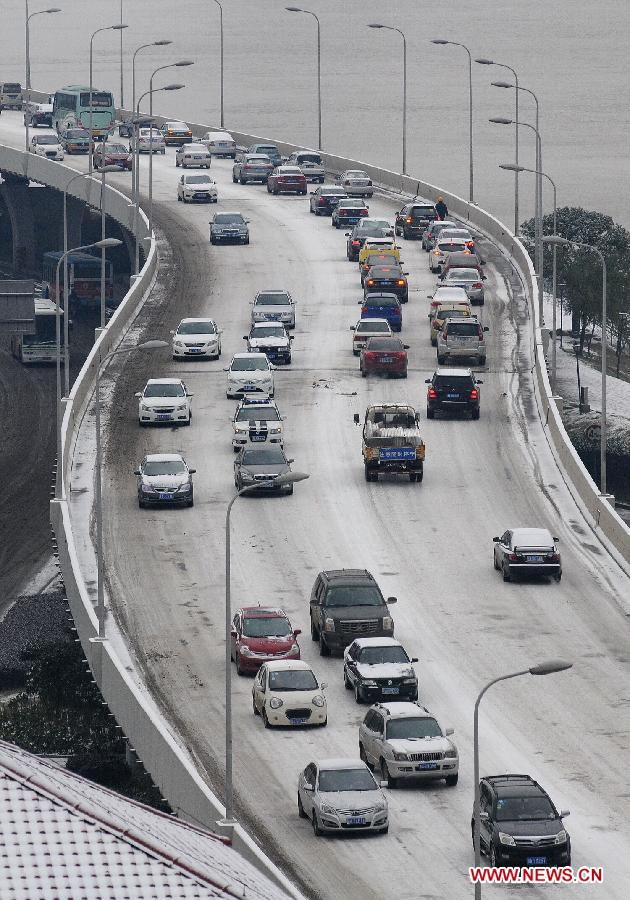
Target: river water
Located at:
point(571, 53)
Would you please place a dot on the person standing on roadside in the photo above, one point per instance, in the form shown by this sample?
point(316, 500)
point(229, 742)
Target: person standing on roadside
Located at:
point(441, 209)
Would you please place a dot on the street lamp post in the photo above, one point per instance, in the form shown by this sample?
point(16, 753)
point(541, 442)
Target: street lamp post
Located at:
point(122, 89)
point(404, 122)
point(554, 270)
point(286, 478)
point(98, 499)
point(39, 12)
point(442, 42)
point(98, 31)
point(546, 668)
point(563, 242)
point(133, 101)
point(221, 51)
point(491, 62)
point(298, 9)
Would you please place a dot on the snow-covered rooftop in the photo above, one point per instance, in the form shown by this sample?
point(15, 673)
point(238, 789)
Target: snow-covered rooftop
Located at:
point(64, 837)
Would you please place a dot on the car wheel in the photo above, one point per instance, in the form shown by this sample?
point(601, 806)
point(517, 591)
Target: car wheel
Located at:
point(363, 373)
point(303, 193)
point(362, 755)
point(289, 489)
point(412, 476)
point(495, 563)
point(212, 240)
point(434, 342)
point(476, 413)
point(482, 361)
point(239, 670)
point(254, 707)
point(163, 151)
point(506, 573)
point(176, 163)
point(265, 719)
point(324, 649)
point(384, 830)
point(558, 577)
point(316, 829)
point(142, 504)
point(430, 413)
point(301, 812)
point(451, 780)
point(346, 680)
point(358, 696)
point(191, 502)
point(314, 632)
point(234, 178)
point(420, 475)
point(246, 241)
point(441, 360)
point(391, 781)
point(241, 180)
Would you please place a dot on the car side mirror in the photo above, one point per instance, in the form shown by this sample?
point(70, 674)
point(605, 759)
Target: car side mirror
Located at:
point(496, 540)
point(449, 731)
point(136, 471)
point(484, 816)
point(290, 460)
point(356, 418)
point(308, 786)
point(311, 192)
point(226, 368)
point(564, 813)
point(557, 540)
point(297, 631)
point(392, 600)
point(272, 367)
point(171, 332)
point(479, 381)
point(382, 784)
point(484, 277)
point(244, 337)
point(232, 632)
point(291, 337)
point(427, 381)
point(348, 234)
point(405, 273)
point(191, 471)
point(360, 302)
point(485, 328)
point(138, 394)
point(323, 686)
point(414, 659)
point(406, 346)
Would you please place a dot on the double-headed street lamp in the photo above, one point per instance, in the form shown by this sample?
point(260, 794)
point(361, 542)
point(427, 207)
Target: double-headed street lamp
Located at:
point(98, 31)
point(221, 51)
point(133, 95)
point(490, 62)
point(39, 12)
point(442, 42)
point(298, 9)
point(546, 668)
point(404, 122)
point(558, 241)
point(278, 481)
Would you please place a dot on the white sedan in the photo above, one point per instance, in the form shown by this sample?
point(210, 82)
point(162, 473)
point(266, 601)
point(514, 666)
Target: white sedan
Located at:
point(248, 373)
point(195, 156)
point(164, 401)
point(220, 143)
point(150, 140)
point(342, 795)
point(197, 189)
point(196, 337)
point(47, 145)
point(288, 693)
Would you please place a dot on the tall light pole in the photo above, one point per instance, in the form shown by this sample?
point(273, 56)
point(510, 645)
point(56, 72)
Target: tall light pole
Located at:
point(98, 499)
point(442, 42)
point(298, 9)
point(98, 31)
point(404, 124)
point(491, 62)
point(538, 255)
point(286, 478)
point(563, 242)
point(122, 87)
point(221, 38)
point(40, 12)
point(546, 668)
point(133, 100)
point(554, 284)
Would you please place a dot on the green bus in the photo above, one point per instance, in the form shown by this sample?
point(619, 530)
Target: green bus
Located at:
point(71, 109)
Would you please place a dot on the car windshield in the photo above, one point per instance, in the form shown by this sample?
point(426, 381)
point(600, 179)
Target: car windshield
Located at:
point(355, 173)
point(310, 158)
point(367, 326)
point(451, 247)
point(194, 148)
point(228, 219)
point(164, 390)
point(354, 595)
point(264, 456)
point(177, 125)
point(463, 275)
point(379, 259)
point(463, 329)
point(196, 328)
point(272, 300)
point(197, 179)
point(257, 414)
point(391, 344)
point(266, 331)
point(381, 302)
point(250, 364)
point(409, 729)
point(46, 139)
point(165, 467)
point(377, 224)
point(267, 150)
point(289, 170)
point(332, 192)
point(524, 809)
point(296, 680)
point(11, 88)
point(374, 656)
point(266, 626)
point(456, 233)
point(115, 148)
point(334, 780)
point(379, 271)
point(421, 212)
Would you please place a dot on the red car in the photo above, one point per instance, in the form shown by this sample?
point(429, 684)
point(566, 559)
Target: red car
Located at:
point(112, 155)
point(287, 180)
point(262, 634)
point(384, 356)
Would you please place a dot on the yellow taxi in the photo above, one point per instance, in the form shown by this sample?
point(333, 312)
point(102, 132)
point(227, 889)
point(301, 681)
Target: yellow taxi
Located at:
point(386, 246)
point(445, 311)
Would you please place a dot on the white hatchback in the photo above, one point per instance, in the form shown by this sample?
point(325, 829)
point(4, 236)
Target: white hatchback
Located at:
point(197, 337)
point(47, 145)
point(164, 401)
point(194, 156)
point(248, 373)
point(287, 692)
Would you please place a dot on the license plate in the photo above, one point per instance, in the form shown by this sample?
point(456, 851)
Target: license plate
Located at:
point(197, 157)
point(259, 437)
point(164, 496)
point(391, 690)
point(163, 417)
point(426, 766)
point(355, 820)
point(194, 350)
point(387, 359)
point(298, 721)
point(536, 860)
point(397, 453)
point(535, 559)
point(452, 396)
point(249, 387)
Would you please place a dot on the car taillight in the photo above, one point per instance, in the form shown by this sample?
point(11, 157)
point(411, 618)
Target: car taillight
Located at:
point(474, 394)
point(364, 310)
point(321, 202)
point(555, 557)
point(480, 332)
point(370, 354)
point(409, 220)
point(432, 393)
point(401, 282)
point(435, 323)
point(370, 282)
point(356, 243)
point(477, 285)
point(514, 557)
point(363, 212)
point(399, 354)
point(470, 244)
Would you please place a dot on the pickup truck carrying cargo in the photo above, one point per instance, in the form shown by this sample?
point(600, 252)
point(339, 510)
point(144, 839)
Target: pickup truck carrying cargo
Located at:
point(392, 441)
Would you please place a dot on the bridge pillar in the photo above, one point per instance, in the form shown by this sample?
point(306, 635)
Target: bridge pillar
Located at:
point(17, 199)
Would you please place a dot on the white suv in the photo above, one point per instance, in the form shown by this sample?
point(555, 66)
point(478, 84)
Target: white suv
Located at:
point(461, 338)
point(257, 419)
point(249, 372)
point(164, 400)
point(403, 740)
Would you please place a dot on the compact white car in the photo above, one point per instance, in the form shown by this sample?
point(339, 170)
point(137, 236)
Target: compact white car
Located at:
point(256, 420)
point(220, 143)
point(194, 156)
point(247, 373)
point(47, 145)
point(378, 667)
point(356, 183)
point(274, 306)
point(288, 693)
point(197, 337)
point(342, 795)
point(150, 140)
point(446, 295)
point(196, 188)
point(367, 328)
point(271, 338)
point(164, 400)
point(403, 740)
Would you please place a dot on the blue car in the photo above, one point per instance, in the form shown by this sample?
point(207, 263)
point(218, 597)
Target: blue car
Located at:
point(382, 306)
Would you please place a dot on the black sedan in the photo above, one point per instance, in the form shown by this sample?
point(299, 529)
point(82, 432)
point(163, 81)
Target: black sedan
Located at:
point(527, 551)
point(387, 279)
point(362, 230)
point(325, 198)
point(229, 227)
point(257, 467)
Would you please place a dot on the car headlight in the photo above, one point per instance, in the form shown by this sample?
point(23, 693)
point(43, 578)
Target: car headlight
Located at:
point(318, 701)
point(275, 703)
point(179, 344)
point(148, 489)
point(561, 837)
point(185, 487)
point(388, 623)
point(329, 624)
point(400, 757)
point(451, 754)
point(181, 407)
point(275, 430)
point(294, 650)
point(145, 408)
point(506, 839)
point(328, 810)
point(244, 650)
point(246, 476)
point(240, 429)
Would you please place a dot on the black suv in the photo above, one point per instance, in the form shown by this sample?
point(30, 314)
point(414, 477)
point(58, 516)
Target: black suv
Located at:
point(413, 218)
point(520, 826)
point(453, 390)
point(361, 231)
point(347, 604)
